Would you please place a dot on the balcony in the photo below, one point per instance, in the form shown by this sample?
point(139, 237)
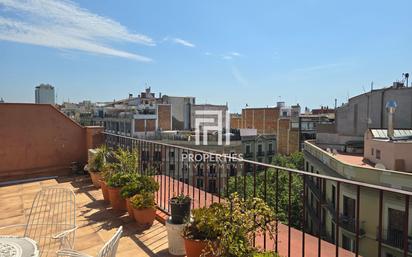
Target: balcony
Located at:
point(248, 155)
point(394, 238)
point(260, 153)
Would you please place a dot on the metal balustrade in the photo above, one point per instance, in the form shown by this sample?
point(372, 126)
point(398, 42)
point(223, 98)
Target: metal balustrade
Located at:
point(230, 171)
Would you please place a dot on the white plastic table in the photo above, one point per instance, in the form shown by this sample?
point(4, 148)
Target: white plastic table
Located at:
point(11, 246)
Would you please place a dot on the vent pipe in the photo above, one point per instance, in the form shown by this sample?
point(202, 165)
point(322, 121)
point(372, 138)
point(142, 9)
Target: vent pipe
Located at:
point(391, 106)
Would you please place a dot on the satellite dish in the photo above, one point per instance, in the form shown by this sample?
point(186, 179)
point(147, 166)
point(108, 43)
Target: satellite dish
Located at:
point(380, 166)
point(328, 150)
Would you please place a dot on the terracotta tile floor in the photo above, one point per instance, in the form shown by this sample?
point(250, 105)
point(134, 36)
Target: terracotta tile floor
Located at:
point(97, 222)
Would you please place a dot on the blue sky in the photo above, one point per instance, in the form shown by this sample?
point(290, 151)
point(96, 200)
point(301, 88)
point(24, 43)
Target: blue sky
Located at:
point(241, 52)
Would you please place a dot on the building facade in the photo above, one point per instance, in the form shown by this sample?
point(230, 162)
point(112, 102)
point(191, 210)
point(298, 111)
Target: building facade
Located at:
point(44, 94)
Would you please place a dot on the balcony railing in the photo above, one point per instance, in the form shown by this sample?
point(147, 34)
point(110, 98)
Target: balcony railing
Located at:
point(395, 238)
point(276, 185)
point(260, 153)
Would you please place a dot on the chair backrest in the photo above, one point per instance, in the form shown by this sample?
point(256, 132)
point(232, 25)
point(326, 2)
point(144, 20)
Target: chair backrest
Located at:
point(53, 211)
point(110, 247)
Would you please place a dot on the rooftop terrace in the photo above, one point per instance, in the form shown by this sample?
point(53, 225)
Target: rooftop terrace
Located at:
point(96, 221)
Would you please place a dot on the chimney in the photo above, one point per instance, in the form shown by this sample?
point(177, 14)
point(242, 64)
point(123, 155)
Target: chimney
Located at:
point(391, 106)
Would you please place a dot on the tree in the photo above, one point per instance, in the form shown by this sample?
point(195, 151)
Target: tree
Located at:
point(268, 181)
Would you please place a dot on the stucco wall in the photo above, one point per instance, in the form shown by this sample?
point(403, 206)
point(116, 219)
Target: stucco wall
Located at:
point(37, 140)
point(368, 110)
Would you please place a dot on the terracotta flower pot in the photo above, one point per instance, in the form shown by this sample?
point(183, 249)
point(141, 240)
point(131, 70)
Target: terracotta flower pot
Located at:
point(116, 201)
point(105, 190)
point(96, 177)
point(129, 208)
point(144, 217)
point(194, 248)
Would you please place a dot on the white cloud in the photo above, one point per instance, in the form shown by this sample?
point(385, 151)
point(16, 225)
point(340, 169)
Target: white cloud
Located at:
point(179, 41)
point(231, 55)
point(63, 24)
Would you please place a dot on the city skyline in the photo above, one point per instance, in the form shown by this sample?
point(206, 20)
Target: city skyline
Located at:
point(256, 55)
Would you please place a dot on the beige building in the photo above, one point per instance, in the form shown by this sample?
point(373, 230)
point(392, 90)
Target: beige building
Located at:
point(362, 169)
point(395, 154)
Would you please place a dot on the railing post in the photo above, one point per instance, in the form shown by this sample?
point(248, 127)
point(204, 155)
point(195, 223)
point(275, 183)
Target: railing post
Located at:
point(357, 219)
point(337, 218)
point(380, 223)
point(406, 228)
point(289, 210)
point(303, 215)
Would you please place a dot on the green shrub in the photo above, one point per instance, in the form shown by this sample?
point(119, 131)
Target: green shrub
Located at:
point(143, 200)
point(99, 160)
point(205, 224)
point(229, 227)
point(138, 185)
point(119, 179)
point(125, 161)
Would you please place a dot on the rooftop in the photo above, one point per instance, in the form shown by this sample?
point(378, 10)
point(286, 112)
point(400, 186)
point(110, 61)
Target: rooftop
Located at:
point(97, 222)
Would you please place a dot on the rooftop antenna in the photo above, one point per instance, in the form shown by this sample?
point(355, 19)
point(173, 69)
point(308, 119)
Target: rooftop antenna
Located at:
point(371, 85)
point(406, 77)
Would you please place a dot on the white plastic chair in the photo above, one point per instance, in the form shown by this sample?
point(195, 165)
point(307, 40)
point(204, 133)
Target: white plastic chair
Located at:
point(109, 249)
point(52, 220)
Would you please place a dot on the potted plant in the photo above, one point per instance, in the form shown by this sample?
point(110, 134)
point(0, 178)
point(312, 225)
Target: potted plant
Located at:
point(144, 208)
point(180, 208)
point(96, 165)
point(202, 232)
point(115, 183)
point(231, 226)
point(137, 185)
point(105, 175)
point(239, 221)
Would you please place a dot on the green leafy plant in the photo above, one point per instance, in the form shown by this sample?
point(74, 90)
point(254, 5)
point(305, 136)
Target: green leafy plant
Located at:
point(119, 179)
point(205, 224)
point(180, 199)
point(229, 227)
point(143, 200)
point(125, 161)
point(240, 220)
point(139, 184)
point(99, 161)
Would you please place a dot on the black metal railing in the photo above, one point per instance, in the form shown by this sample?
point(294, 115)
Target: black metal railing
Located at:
point(395, 238)
point(276, 185)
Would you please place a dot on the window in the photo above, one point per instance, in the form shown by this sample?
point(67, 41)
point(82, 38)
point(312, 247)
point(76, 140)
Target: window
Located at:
point(311, 168)
point(259, 148)
point(333, 196)
point(270, 147)
point(212, 186)
point(171, 167)
point(199, 183)
point(372, 151)
point(247, 149)
point(348, 207)
point(378, 154)
point(333, 232)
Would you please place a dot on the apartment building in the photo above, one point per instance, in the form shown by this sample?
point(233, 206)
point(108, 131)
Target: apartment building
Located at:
point(260, 148)
point(281, 121)
point(181, 110)
point(382, 158)
point(44, 94)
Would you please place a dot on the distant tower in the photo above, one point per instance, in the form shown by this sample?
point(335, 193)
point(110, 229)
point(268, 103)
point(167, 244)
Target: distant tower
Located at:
point(44, 94)
point(1, 100)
